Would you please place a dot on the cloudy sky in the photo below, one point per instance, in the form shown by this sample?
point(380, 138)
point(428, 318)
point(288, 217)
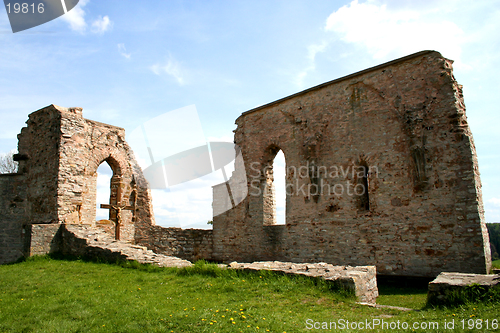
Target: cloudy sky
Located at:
point(127, 62)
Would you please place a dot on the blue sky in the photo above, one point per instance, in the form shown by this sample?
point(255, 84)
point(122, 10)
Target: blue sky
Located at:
point(126, 62)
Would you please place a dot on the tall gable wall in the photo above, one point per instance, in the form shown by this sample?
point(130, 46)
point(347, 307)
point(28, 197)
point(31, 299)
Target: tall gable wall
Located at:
point(405, 122)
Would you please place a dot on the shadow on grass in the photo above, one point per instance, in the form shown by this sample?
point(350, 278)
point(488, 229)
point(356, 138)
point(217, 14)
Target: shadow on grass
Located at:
point(472, 294)
point(119, 262)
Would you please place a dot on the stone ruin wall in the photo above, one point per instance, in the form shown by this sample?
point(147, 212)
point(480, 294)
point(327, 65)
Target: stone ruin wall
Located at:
point(423, 213)
point(59, 153)
point(405, 121)
point(12, 207)
point(188, 244)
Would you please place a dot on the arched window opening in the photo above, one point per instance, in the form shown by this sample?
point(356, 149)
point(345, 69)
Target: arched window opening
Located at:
point(103, 190)
point(279, 169)
point(274, 194)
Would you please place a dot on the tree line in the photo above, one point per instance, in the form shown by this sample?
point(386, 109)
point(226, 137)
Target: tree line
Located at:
point(494, 231)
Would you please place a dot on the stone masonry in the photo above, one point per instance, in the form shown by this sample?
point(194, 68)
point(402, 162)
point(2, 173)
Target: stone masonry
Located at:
point(447, 285)
point(59, 153)
point(362, 281)
point(381, 170)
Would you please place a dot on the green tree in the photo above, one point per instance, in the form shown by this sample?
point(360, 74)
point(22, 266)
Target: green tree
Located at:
point(494, 232)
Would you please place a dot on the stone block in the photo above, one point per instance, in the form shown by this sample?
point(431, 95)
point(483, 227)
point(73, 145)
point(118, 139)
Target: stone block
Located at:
point(361, 280)
point(447, 286)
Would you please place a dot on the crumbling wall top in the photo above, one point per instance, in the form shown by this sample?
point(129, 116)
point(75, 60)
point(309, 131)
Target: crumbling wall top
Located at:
point(347, 77)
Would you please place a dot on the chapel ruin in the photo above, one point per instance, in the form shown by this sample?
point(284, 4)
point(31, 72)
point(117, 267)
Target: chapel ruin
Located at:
point(381, 170)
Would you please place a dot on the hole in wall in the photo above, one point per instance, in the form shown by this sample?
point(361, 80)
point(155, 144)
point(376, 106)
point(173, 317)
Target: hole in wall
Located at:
point(275, 190)
point(279, 168)
point(103, 190)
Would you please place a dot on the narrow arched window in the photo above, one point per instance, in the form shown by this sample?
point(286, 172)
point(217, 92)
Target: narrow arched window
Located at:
point(362, 187)
point(103, 190)
point(274, 194)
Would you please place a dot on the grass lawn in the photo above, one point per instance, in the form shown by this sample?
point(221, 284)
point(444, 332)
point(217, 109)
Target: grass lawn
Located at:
point(49, 295)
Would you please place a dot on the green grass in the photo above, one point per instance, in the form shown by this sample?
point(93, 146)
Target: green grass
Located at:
point(50, 295)
point(496, 264)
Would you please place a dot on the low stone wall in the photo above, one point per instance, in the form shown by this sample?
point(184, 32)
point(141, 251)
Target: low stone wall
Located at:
point(12, 217)
point(444, 288)
point(45, 239)
point(188, 244)
point(362, 280)
point(89, 242)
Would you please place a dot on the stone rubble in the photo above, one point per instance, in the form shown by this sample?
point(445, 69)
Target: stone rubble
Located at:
point(446, 282)
point(84, 240)
point(360, 279)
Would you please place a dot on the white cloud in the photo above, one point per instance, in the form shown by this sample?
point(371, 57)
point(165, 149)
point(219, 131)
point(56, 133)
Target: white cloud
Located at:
point(172, 68)
point(123, 51)
point(104, 174)
point(76, 19)
point(101, 25)
point(386, 31)
point(492, 210)
point(312, 51)
point(186, 204)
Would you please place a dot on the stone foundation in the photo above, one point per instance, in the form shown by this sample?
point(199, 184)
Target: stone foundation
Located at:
point(361, 280)
point(188, 244)
point(45, 239)
point(446, 286)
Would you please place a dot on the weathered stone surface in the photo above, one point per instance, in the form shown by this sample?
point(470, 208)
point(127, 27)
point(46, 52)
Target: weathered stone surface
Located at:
point(62, 153)
point(13, 205)
point(45, 238)
point(88, 241)
point(397, 131)
point(361, 280)
point(189, 244)
point(56, 184)
point(446, 283)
